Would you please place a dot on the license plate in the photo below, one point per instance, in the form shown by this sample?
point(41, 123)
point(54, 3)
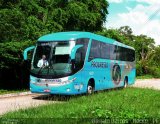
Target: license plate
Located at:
point(47, 90)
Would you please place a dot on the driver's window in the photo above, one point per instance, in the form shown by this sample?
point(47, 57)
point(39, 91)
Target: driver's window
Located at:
point(80, 53)
point(79, 58)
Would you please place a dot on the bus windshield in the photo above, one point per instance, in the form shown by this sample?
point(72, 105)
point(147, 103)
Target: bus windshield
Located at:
point(52, 59)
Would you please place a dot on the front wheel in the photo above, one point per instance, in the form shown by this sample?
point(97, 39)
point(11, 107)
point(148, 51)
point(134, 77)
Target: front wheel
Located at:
point(90, 89)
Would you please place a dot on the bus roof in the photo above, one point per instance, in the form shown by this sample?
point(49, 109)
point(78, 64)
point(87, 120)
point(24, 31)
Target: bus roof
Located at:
point(73, 35)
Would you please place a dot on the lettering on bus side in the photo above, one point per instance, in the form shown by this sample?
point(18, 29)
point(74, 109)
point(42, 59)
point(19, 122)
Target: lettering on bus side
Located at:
point(99, 64)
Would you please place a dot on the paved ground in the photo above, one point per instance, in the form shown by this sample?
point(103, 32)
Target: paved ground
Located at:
point(21, 102)
point(12, 102)
point(148, 83)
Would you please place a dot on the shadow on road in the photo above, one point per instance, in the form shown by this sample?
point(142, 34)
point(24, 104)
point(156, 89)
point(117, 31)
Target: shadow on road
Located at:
point(49, 97)
point(56, 97)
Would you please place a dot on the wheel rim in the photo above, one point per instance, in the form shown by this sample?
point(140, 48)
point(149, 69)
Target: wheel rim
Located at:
point(125, 83)
point(90, 89)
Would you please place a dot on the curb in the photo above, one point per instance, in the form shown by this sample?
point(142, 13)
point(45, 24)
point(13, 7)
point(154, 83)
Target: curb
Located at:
point(15, 94)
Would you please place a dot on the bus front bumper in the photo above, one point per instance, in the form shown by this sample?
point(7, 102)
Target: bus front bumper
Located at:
point(68, 89)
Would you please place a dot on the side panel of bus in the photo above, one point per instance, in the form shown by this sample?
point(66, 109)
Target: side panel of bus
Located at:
point(106, 71)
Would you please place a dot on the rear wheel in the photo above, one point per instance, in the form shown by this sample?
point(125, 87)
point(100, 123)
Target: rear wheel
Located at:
point(125, 83)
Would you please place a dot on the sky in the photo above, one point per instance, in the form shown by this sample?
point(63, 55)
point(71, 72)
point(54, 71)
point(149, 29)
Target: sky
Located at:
point(143, 16)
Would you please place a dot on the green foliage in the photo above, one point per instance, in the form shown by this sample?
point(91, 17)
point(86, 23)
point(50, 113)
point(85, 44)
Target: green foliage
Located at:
point(11, 25)
point(28, 20)
point(146, 56)
point(147, 76)
point(155, 71)
point(86, 15)
point(117, 35)
point(130, 103)
point(139, 69)
point(14, 72)
point(11, 53)
point(11, 91)
point(154, 58)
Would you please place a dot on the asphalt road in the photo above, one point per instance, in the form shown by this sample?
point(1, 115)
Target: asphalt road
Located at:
point(32, 100)
point(26, 101)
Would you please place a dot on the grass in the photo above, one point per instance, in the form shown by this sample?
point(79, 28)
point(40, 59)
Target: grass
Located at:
point(11, 91)
point(129, 104)
point(145, 77)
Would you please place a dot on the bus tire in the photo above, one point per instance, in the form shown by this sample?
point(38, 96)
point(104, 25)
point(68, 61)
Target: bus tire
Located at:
point(125, 82)
point(90, 88)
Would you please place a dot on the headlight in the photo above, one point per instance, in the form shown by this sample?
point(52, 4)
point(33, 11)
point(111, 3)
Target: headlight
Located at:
point(42, 82)
point(68, 81)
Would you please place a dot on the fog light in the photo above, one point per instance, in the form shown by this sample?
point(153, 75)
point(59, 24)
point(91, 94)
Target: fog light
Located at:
point(68, 89)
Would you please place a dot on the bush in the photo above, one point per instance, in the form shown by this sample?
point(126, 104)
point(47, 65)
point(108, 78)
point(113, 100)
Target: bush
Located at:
point(14, 72)
point(155, 71)
point(139, 71)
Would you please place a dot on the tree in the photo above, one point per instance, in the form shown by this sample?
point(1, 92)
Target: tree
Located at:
point(144, 51)
point(144, 45)
point(86, 15)
point(28, 20)
point(115, 34)
point(14, 72)
point(125, 30)
point(22, 22)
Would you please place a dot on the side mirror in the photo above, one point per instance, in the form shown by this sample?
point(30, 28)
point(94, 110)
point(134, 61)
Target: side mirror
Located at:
point(25, 52)
point(90, 58)
point(74, 50)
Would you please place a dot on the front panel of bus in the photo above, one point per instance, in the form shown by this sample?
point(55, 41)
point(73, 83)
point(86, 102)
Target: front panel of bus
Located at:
point(52, 69)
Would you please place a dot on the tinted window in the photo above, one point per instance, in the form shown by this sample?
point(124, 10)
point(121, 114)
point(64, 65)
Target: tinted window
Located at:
point(130, 55)
point(84, 42)
point(105, 50)
point(95, 50)
point(113, 49)
point(110, 51)
point(82, 50)
point(81, 53)
point(125, 54)
point(118, 53)
point(121, 53)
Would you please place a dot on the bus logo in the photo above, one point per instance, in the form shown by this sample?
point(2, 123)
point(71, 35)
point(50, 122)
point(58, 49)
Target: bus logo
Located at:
point(116, 74)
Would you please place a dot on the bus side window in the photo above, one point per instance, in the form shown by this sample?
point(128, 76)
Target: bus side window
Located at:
point(105, 50)
point(95, 50)
point(79, 58)
point(130, 55)
point(112, 52)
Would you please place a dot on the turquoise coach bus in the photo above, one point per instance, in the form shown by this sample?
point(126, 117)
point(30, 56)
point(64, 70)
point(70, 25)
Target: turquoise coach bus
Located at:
point(79, 62)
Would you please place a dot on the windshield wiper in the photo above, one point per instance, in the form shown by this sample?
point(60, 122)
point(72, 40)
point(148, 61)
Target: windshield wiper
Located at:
point(40, 70)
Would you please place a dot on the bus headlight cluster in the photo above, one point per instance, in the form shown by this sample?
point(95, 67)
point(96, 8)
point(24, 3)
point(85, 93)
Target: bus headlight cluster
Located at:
point(68, 81)
point(62, 83)
point(51, 83)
